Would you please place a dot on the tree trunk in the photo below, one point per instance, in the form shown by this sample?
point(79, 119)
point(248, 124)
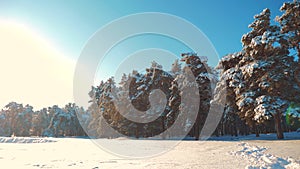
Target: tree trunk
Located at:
point(197, 128)
point(222, 129)
point(247, 130)
point(256, 131)
point(235, 130)
point(278, 126)
point(298, 52)
point(163, 127)
point(297, 74)
point(217, 132)
point(137, 131)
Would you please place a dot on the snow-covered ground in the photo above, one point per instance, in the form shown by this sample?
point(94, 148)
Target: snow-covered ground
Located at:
point(222, 152)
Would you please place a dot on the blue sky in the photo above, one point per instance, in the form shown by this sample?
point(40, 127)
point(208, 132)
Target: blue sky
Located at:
point(69, 24)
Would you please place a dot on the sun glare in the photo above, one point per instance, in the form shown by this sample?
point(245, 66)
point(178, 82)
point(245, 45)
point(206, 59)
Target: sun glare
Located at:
point(31, 69)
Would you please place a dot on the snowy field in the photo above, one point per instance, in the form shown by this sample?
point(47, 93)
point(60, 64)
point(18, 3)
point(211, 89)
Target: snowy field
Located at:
point(222, 152)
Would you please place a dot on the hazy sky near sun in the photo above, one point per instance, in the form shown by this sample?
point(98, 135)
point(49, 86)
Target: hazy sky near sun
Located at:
point(31, 70)
point(40, 41)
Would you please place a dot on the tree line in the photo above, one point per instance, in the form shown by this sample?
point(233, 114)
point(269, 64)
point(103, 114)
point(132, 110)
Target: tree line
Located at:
point(19, 120)
point(259, 87)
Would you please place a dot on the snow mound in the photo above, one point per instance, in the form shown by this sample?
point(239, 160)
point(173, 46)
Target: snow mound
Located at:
point(259, 159)
point(24, 140)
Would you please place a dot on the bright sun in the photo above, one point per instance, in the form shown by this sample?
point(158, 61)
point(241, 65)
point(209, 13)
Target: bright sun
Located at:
point(31, 70)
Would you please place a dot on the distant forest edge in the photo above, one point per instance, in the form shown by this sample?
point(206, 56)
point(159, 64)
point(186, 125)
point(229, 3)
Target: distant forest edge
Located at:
point(259, 87)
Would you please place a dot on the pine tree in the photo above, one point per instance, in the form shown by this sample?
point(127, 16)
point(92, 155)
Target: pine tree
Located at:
point(142, 91)
point(184, 93)
point(23, 121)
point(201, 73)
point(110, 119)
point(176, 68)
point(290, 27)
point(40, 121)
point(59, 122)
point(11, 111)
point(174, 104)
point(82, 121)
point(124, 107)
point(290, 24)
point(266, 74)
point(73, 126)
point(224, 93)
point(94, 110)
point(2, 123)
